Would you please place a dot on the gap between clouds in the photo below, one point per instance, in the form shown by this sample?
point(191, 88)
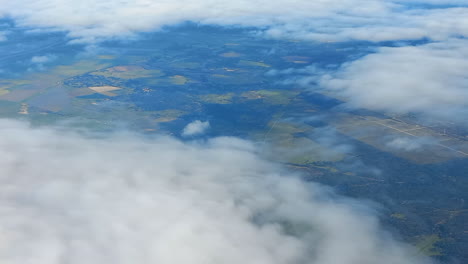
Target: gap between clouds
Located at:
point(433, 81)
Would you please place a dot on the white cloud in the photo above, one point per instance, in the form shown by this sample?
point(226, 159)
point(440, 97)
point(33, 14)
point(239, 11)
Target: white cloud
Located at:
point(410, 143)
point(388, 24)
point(43, 59)
point(196, 127)
point(39, 62)
point(430, 79)
point(3, 35)
point(335, 20)
point(66, 198)
point(434, 2)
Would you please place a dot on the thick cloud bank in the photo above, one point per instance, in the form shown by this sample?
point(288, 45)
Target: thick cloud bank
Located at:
point(70, 199)
point(326, 20)
point(430, 79)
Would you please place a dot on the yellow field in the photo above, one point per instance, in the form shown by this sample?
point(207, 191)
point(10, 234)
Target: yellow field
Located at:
point(78, 68)
point(185, 65)
point(426, 245)
point(217, 98)
point(297, 59)
point(128, 72)
point(276, 97)
point(105, 90)
point(178, 79)
point(168, 115)
point(254, 63)
point(106, 57)
point(230, 55)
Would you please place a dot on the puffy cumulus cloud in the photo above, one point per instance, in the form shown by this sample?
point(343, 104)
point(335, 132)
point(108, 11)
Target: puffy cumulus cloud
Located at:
point(196, 127)
point(430, 79)
point(67, 198)
point(328, 20)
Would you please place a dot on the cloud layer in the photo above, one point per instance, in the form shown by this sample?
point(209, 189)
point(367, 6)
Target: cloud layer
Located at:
point(430, 79)
point(67, 198)
point(329, 20)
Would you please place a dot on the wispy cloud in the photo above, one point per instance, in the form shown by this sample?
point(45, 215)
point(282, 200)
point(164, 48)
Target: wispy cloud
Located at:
point(43, 59)
point(409, 143)
point(3, 36)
